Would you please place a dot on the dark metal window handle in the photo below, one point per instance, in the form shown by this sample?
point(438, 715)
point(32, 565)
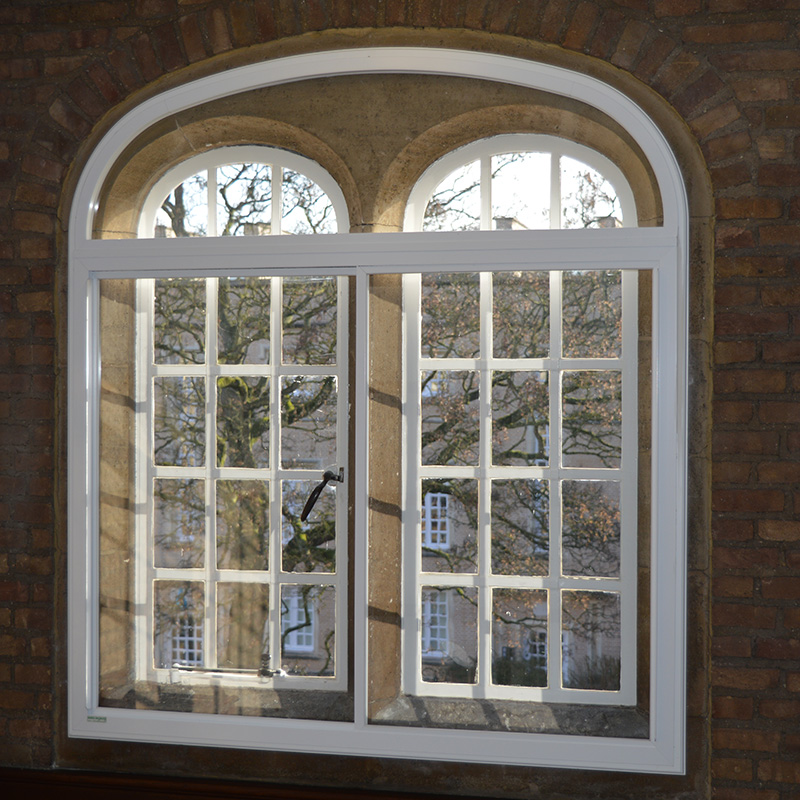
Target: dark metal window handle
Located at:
point(328, 475)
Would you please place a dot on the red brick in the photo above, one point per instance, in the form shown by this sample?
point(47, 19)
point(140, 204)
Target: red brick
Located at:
point(756, 322)
point(69, 119)
point(778, 649)
point(760, 89)
point(750, 266)
point(727, 236)
point(104, 82)
point(727, 146)
point(32, 673)
point(732, 707)
point(63, 65)
point(715, 119)
point(242, 23)
point(731, 647)
point(168, 48)
point(754, 381)
point(17, 699)
point(782, 116)
point(741, 557)
point(581, 26)
point(766, 59)
point(746, 679)
point(30, 729)
point(780, 412)
point(779, 530)
point(732, 530)
point(739, 739)
point(677, 8)
point(779, 175)
point(35, 301)
point(554, 19)
point(12, 645)
point(125, 69)
point(771, 235)
point(781, 351)
point(731, 471)
point(787, 772)
point(655, 56)
point(728, 33)
point(43, 41)
point(749, 207)
point(608, 29)
point(732, 769)
point(754, 442)
point(779, 709)
point(734, 352)
point(33, 221)
point(731, 411)
point(780, 588)
point(733, 586)
point(87, 38)
point(630, 44)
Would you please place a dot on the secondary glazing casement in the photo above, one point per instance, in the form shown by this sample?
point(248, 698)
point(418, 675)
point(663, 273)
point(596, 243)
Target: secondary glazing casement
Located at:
point(659, 252)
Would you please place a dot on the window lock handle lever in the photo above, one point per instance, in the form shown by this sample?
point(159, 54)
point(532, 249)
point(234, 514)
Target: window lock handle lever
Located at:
point(328, 475)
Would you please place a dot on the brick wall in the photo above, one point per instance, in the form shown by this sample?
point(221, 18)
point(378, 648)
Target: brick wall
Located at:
point(731, 69)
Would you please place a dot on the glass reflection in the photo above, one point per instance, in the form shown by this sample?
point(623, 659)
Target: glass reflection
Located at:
point(179, 321)
point(450, 407)
point(179, 522)
point(456, 203)
point(519, 637)
point(521, 314)
point(450, 315)
point(592, 418)
point(308, 546)
point(309, 320)
point(592, 314)
point(178, 624)
point(590, 543)
point(242, 524)
point(243, 307)
point(242, 625)
point(449, 525)
point(520, 403)
point(520, 527)
point(449, 634)
point(243, 421)
point(308, 629)
point(308, 421)
point(179, 437)
point(244, 200)
point(591, 640)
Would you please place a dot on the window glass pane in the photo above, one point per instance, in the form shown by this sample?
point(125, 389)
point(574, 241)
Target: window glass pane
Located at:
point(520, 403)
point(179, 331)
point(590, 520)
point(592, 418)
point(309, 320)
point(185, 210)
point(591, 640)
point(449, 635)
point(521, 191)
point(242, 626)
point(588, 200)
point(520, 527)
point(450, 431)
point(456, 202)
point(244, 200)
point(308, 546)
point(308, 626)
point(521, 314)
point(308, 421)
point(592, 314)
point(449, 525)
point(179, 437)
point(305, 207)
point(450, 315)
point(178, 623)
point(243, 320)
point(243, 405)
point(242, 535)
point(179, 518)
point(519, 637)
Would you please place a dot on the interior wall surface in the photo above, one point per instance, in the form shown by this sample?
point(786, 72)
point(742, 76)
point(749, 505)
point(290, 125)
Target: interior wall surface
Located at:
point(717, 76)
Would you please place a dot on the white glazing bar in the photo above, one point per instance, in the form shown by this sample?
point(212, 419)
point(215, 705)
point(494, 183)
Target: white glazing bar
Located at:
point(485, 487)
point(276, 205)
point(211, 194)
point(486, 193)
point(554, 622)
point(211, 473)
point(412, 456)
point(275, 540)
point(629, 485)
point(360, 483)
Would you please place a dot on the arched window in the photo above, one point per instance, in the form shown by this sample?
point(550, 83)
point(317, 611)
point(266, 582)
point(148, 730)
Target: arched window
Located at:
point(414, 491)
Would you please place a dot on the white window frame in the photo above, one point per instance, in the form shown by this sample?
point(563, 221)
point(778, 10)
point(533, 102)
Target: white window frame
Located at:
point(624, 585)
point(662, 250)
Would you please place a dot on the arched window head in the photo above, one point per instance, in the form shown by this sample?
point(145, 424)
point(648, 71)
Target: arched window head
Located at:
point(243, 191)
point(521, 182)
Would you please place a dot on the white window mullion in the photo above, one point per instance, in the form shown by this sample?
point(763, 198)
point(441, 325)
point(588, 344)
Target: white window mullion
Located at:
point(211, 473)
